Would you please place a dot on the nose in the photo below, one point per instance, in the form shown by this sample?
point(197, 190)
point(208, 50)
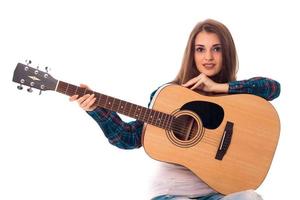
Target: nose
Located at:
point(208, 55)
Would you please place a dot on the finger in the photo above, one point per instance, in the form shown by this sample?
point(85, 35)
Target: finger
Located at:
point(84, 86)
point(190, 82)
point(73, 98)
point(199, 83)
point(90, 98)
point(90, 104)
point(87, 101)
point(83, 98)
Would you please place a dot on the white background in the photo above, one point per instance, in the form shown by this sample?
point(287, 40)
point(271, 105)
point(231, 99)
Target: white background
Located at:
point(51, 149)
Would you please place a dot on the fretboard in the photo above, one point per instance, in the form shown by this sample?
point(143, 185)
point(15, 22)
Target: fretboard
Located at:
point(141, 113)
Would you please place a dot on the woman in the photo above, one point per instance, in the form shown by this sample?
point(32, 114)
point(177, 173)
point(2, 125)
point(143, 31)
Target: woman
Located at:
point(209, 66)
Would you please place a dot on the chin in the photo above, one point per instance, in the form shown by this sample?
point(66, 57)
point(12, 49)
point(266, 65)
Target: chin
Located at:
point(210, 74)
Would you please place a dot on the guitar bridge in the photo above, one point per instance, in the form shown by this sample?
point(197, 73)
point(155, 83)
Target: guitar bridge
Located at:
point(225, 142)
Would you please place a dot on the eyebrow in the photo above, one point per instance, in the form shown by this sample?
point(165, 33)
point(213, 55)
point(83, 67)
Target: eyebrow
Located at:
point(201, 45)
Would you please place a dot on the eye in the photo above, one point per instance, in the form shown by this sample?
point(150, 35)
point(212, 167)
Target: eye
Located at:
point(200, 49)
point(217, 49)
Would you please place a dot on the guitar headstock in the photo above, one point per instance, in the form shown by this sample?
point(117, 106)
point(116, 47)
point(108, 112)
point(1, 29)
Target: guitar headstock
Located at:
point(34, 78)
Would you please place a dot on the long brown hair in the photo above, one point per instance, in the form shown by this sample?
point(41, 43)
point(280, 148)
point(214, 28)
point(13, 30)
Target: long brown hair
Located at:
point(228, 72)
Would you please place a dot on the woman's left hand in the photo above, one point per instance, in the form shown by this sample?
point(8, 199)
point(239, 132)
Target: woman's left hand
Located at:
point(204, 83)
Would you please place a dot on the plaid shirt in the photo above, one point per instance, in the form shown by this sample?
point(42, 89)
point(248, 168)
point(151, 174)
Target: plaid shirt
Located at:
point(128, 135)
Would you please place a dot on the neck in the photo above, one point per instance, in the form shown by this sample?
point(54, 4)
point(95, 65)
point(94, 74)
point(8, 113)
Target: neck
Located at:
point(144, 114)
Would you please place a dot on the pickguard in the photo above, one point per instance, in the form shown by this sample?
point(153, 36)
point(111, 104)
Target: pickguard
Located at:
point(211, 114)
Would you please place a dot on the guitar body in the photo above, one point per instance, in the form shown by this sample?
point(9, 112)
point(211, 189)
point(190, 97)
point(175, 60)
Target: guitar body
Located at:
point(251, 121)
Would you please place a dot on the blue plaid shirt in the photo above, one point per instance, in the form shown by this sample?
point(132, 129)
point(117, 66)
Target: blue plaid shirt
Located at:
point(128, 135)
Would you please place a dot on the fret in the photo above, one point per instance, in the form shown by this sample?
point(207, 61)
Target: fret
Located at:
point(159, 119)
point(61, 86)
point(67, 88)
point(167, 124)
point(147, 115)
point(130, 109)
point(171, 121)
point(70, 90)
point(102, 100)
point(118, 101)
point(121, 107)
point(134, 109)
point(115, 104)
point(163, 119)
point(139, 111)
point(106, 97)
point(97, 96)
point(125, 108)
point(81, 91)
point(118, 107)
point(168, 120)
point(110, 102)
point(152, 116)
point(76, 90)
point(156, 118)
point(143, 113)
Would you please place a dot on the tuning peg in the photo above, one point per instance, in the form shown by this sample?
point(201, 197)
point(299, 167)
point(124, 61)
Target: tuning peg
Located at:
point(28, 62)
point(47, 69)
point(29, 89)
point(20, 87)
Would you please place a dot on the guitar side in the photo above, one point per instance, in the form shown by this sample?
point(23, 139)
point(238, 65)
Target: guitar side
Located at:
point(248, 158)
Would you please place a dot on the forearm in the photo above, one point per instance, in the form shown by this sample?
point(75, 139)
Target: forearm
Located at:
point(264, 87)
point(120, 134)
point(221, 88)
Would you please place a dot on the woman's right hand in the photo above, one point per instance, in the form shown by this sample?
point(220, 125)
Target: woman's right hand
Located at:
point(87, 101)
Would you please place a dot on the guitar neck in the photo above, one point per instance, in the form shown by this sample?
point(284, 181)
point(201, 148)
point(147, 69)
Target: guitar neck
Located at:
point(141, 113)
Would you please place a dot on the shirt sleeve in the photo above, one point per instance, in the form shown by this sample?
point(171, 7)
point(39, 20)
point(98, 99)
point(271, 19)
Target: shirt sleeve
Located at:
point(119, 133)
point(264, 87)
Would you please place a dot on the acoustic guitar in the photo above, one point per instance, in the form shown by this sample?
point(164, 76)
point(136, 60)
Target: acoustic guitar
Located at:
point(228, 141)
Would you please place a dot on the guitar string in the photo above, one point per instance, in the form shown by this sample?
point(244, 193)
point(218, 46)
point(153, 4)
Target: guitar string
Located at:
point(204, 138)
point(182, 131)
point(178, 128)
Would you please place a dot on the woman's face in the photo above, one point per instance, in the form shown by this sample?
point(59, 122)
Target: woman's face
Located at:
point(208, 53)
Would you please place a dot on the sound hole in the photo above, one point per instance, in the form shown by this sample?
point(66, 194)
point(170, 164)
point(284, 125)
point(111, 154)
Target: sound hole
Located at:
point(185, 127)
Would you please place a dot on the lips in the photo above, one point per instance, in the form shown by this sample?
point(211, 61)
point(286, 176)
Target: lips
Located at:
point(209, 65)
